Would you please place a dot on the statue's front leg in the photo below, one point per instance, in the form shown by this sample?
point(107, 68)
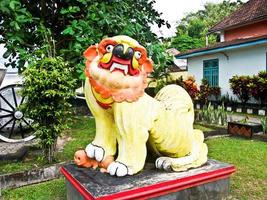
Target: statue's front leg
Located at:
point(131, 156)
point(104, 143)
point(132, 135)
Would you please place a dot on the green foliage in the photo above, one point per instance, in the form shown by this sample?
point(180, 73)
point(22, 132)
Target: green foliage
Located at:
point(74, 25)
point(215, 91)
point(210, 115)
point(204, 91)
point(189, 85)
point(161, 59)
point(192, 29)
point(245, 87)
point(239, 86)
point(207, 92)
point(258, 87)
point(185, 42)
point(48, 85)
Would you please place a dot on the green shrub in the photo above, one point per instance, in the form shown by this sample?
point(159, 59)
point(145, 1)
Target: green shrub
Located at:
point(204, 91)
point(48, 85)
point(245, 87)
point(215, 91)
point(258, 87)
point(239, 86)
point(210, 115)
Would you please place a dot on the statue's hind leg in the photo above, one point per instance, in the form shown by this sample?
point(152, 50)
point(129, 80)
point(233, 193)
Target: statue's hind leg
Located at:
point(196, 158)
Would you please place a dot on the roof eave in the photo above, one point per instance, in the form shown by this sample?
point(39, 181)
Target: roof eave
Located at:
point(221, 49)
point(260, 19)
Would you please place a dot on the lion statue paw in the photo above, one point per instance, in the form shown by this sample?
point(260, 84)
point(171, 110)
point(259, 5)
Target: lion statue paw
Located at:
point(94, 151)
point(163, 163)
point(119, 169)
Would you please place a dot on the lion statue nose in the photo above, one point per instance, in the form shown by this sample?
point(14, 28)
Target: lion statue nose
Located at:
point(120, 52)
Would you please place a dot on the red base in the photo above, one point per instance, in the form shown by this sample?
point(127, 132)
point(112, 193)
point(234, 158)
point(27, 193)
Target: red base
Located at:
point(158, 189)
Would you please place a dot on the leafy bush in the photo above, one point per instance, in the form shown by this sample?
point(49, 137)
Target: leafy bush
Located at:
point(239, 86)
point(204, 91)
point(48, 85)
point(245, 87)
point(215, 91)
point(210, 115)
point(258, 87)
point(191, 87)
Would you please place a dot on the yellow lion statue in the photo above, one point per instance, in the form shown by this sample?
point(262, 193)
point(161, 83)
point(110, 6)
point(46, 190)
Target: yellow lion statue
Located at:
point(128, 120)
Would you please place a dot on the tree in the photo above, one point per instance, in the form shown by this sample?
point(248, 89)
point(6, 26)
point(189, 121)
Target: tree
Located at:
point(74, 25)
point(161, 60)
point(185, 42)
point(192, 29)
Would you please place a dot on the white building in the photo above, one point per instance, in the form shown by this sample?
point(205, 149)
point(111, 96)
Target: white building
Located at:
point(241, 51)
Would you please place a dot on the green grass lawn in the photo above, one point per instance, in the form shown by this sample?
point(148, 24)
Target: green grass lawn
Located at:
point(249, 157)
point(51, 190)
point(203, 127)
point(250, 160)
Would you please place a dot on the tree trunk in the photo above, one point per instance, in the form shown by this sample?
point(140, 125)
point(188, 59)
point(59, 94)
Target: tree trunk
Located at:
point(50, 152)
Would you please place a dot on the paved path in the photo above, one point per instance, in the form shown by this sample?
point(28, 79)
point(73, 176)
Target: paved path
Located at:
point(11, 148)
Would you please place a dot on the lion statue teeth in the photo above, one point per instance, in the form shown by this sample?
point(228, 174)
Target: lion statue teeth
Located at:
point(127, 119)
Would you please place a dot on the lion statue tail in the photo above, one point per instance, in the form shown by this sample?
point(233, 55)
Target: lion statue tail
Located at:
point(192, 150)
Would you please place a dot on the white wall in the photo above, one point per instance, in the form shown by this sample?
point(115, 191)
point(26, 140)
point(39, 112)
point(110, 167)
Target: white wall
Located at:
point(245, 61)
point(11, 79)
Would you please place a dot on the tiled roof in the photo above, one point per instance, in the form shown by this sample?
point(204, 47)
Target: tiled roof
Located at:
point(252, 11)
point(223, 44)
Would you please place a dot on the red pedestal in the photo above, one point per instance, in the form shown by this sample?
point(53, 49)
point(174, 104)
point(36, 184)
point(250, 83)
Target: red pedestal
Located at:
point(206, 182)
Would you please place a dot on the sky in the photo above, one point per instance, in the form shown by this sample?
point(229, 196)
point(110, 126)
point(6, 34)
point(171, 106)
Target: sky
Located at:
point(174, 10)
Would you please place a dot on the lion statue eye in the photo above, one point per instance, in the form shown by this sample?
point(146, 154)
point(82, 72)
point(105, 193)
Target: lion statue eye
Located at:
point(137, 54)
point(109, 48)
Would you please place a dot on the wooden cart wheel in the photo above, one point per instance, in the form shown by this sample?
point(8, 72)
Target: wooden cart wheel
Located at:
point(14, 125)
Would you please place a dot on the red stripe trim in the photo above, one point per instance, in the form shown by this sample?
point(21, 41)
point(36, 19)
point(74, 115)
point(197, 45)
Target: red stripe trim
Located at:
point(76, 184)
point(158, 189)
point(172, 186)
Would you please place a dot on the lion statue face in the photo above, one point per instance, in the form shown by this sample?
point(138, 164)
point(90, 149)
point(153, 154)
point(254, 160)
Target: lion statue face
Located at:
point(117, 69)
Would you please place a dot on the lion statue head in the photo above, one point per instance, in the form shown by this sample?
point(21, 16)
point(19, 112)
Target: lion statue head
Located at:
point(117, 69)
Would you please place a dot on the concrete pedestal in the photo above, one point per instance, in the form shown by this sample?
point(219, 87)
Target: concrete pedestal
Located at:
point(210, 181)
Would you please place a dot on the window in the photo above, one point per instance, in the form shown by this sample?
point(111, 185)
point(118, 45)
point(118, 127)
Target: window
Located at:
point(211, 71)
